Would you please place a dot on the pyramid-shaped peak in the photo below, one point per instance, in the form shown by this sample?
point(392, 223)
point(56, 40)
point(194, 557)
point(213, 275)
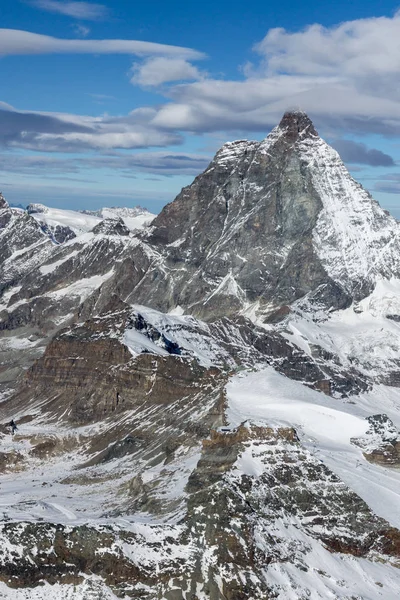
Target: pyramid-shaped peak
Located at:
point(296, 123)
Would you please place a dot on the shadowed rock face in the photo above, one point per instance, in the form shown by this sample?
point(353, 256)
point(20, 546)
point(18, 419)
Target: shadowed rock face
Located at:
point(112, 227)
point(236, 169)
point(87, 373)
point(22, 245)
point(58, 233)
point(248, 230)
point(243, 229)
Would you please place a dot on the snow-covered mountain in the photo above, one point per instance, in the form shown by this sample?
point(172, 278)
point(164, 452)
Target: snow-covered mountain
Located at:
point(63, 225)
point(207, 407)
point(266, 224)
point(23, 244)
point(134, 218)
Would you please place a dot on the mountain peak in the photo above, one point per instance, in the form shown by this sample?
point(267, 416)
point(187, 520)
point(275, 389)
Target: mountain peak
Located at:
point(270, 222)
point(36, 208)
point(3, 201)
point(296, 123)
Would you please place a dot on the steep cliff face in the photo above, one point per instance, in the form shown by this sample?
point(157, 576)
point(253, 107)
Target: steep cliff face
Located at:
point(266, 224)
point(23, 245)
point(130, 355)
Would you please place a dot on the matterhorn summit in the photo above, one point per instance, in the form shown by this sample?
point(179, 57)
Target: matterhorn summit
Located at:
point(268, 223)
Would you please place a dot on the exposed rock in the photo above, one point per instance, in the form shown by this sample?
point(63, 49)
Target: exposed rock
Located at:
point(63, 554)
point(10, 461)
point(34, 208)
point(89, 379)
point(3, 202)
point(23, 246)
point(112, 227)
point(58, 233)
point(238, 525)
point(381, 443)
point(243, 519)
point(249, 230)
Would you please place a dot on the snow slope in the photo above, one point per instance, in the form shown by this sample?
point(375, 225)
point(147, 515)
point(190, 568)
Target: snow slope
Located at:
point(325, 426)
point(357, 240)
point(134, 218)
point(191, 335)
point(83, 221)
point(366, 335)
point(75, 220)
point(91, 589)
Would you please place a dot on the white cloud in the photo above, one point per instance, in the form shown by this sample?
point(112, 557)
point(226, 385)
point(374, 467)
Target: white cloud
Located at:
point(347, 77)
point(354, 48)
point(15, 41)
point(57, 132)
point(158, 70)
point(78, 10)
point(255, 104)
point(100, 140)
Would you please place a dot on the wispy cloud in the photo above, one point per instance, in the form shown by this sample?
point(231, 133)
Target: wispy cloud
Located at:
point(158, 70)
point(345, 77)
point(86, 11)
point(55, 132)
point(354, 152)
point(81, 30)
point(102, 96)
point(155, 163)
point(18, 42)
point(353, 48)
point(389, 183)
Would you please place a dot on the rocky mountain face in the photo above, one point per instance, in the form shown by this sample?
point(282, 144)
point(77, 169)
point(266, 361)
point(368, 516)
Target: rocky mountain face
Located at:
point(23, 245)
point(54, 263)
point(57, 232)
point(266, 224)
point(207, 404)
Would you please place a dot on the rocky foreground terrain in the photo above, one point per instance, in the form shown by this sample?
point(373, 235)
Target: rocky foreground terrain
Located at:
point(207, 401)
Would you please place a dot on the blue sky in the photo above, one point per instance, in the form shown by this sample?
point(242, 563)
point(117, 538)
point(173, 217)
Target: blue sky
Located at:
point(123, 103)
